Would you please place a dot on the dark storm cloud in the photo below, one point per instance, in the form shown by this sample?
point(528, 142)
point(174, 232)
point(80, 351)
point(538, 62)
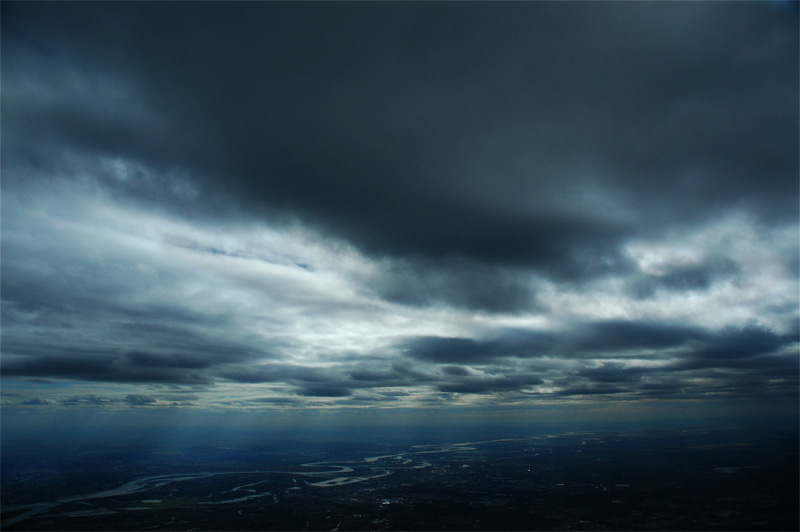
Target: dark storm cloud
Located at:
point(103, 333)
point(613, 373)
point(277, 372)
point(92, 364)
point(489, 157)
point(731, 358)
point(742, 343)
point(338, 381)
point(459, 284)
point(324, 391)
point(582, 340)
point(105, 369)
point(766, 365)
point(684, 278)
point(429, 132)
point(373, 376)
point(89, 366)
point(166, 360)
point(450, 350)
point(161, 341)
point(743, 361)
point(618, 335)
point(456, 370)
point(247, 375)
point(600, 390)
point(489, 385)
point(273, 400)
point(394, 375)
point(467, 350)
point(730, 355)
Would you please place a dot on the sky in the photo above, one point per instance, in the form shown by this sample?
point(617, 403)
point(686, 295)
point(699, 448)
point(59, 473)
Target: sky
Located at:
point(390, 208)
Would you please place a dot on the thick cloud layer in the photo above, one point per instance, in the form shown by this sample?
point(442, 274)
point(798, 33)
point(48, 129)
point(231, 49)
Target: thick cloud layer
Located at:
point(273, 204)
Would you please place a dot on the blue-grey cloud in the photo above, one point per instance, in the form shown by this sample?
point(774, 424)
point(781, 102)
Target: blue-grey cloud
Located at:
point(273, 400)
point(522, 200)
point(468, 350)
point(594, 390)
point(37, 402)
point(614, 373)
point(618, 335)
point(324, 391)
point(488, 385)
point(742, 343)
point(458, 283)
point(139, 399)
point(684, 278)
point(402, 148)
point(90, 399)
